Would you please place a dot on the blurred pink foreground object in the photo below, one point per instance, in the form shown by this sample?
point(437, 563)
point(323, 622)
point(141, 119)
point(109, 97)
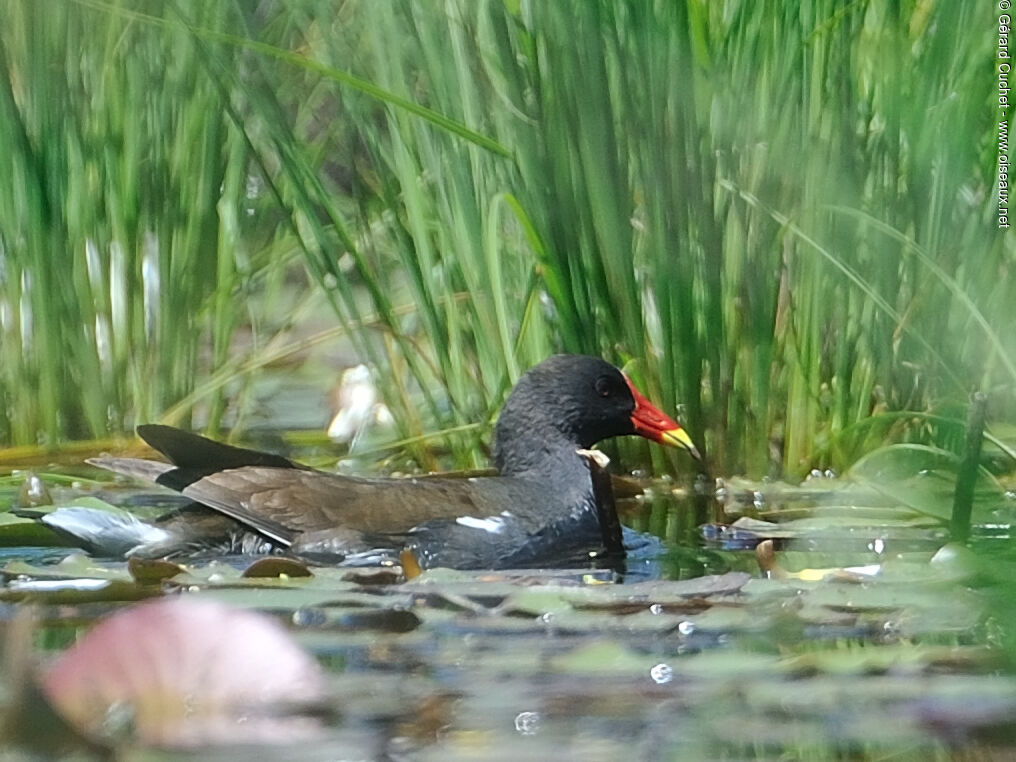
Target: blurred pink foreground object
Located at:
point(186, 672)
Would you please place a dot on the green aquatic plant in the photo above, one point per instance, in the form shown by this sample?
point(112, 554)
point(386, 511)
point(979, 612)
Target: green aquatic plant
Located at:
point(776, 216)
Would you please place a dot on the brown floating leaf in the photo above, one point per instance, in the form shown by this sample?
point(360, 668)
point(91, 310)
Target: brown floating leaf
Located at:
point(152, 571)
point(410, 566)
point(765, 553)
point(185, 672)
point(73, 592)
point(381, 620)
point(390, 575)
point(276, 566)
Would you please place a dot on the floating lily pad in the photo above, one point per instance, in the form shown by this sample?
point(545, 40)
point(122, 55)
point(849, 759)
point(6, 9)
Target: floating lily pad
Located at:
point(898, 659)
point(603, 657)
point(16, 531)
point(73, 566)
point(152, 571)
point(275, 566)
point(924, 479)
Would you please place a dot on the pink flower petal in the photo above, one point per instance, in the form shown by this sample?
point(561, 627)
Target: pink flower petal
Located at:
point(184, 671)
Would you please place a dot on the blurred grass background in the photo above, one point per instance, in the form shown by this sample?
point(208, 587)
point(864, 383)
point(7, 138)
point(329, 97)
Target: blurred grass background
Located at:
point(779, 218)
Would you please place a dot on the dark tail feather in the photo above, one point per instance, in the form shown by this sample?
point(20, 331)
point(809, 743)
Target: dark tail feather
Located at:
point(191, 451)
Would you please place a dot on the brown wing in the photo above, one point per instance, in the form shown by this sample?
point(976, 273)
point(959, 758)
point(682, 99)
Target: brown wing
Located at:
point(282, 502)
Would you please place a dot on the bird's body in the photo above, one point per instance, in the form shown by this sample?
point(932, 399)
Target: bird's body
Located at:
point(547, 499)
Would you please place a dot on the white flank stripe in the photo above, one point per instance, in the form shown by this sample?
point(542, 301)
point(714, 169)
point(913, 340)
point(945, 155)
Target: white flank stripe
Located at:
point(494, 525)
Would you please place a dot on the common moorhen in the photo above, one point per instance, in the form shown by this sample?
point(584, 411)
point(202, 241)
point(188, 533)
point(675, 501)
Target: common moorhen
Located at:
point(547, 502)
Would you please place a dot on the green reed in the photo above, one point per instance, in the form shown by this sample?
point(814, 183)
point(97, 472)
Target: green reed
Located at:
point(122, 226)
point(777, 217)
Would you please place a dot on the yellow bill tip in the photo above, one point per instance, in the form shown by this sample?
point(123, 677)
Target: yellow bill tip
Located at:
point(679, 438)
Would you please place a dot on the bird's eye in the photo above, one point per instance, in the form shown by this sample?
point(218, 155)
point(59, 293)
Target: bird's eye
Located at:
point(603, 386)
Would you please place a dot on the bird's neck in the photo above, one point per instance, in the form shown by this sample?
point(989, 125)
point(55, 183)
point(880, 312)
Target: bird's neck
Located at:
point(555, 458)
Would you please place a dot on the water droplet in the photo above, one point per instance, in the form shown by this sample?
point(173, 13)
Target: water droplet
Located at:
point(118, 717)
point(547, 618)
point(686, 627)
point(829, 474)
point(758, 499)
point(661, 673)
point(33, 493)
point(877, 546)
point(656, 609)
point(309, 618)
point(527, 723)
point(814, 474)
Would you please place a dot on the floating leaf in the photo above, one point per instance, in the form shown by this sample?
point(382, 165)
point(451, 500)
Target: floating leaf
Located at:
point(924, 479)
point(379, 619)
point(382, 576)
point(72, 566)
point(276, 566)
point(16, 531)
point(150, 571)
point(602, 657)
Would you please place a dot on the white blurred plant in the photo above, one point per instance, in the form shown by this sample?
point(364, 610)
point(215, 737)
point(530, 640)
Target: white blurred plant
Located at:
point(358, 407)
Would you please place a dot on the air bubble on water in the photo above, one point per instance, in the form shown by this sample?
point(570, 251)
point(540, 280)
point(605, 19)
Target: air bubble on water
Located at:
point(686, 627)
point(877, 546)
point(656, 609)
point(309, 618)
point(661, 673)
point(758, 499)
point(720, 490)
point(547, 618)
point(527, 723)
